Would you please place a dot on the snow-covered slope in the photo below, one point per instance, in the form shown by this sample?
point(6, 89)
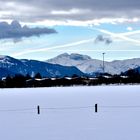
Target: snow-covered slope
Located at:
point(89, 65)
point(137, 69)
point(21, 122)
point(69, 60)
point(5, 72)
point(25, 66)
point(64, 65)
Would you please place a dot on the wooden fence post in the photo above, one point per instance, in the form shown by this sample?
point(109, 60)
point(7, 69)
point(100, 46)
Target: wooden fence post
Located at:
point(96, 108)
point(38, 109)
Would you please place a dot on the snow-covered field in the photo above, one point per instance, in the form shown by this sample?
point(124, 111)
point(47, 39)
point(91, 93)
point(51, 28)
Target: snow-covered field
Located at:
point(118, 116)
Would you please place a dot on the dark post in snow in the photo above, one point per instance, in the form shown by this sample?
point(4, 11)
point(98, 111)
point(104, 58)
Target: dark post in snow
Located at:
point(38, 109)
point(96, 109)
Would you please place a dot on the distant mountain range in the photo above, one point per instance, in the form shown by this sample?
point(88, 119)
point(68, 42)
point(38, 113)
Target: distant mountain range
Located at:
point(12, 66)
point(90, 66)
point(65, 65)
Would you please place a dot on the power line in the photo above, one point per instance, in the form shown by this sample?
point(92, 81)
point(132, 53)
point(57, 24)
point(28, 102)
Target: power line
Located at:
point(136, 106)
point(16, 110)
point(68, 108)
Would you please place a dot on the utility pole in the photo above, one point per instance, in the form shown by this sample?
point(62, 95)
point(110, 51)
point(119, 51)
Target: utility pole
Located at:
point(103, 63)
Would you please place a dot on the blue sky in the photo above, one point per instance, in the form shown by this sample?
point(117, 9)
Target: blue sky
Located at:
point(76, 39)
point(77, 23)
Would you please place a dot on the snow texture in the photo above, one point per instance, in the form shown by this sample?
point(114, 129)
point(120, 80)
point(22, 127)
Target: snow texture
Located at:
point(89, 65)
point(11, 66)
point(73, 123)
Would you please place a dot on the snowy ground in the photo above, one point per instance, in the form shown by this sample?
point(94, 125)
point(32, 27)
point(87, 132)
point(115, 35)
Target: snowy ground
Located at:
point(70, 124)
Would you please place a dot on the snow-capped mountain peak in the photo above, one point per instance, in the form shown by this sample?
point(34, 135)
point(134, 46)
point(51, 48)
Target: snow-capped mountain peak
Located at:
point(79, 57)
point(2, 56)
point(66, 59)
point(88, 65)
point(73, 56)
point(15, 66)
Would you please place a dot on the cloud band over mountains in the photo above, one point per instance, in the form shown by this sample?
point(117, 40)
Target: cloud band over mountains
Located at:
point(16, 31)
point(33, 10)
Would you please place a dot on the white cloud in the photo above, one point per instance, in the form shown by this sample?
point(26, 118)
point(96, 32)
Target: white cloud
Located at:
point(68, 12)
point(129, 28)
point(90, 23)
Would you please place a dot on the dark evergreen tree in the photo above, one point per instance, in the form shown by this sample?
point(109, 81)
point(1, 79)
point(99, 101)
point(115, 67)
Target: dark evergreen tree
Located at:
point(19, 80)
point(27, 77)
point(8, 82)
point(38, 76)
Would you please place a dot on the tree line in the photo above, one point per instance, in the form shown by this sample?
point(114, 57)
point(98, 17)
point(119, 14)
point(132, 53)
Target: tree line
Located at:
point(21, 81)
